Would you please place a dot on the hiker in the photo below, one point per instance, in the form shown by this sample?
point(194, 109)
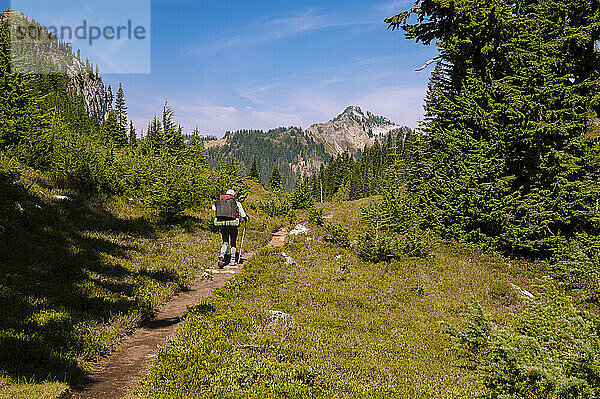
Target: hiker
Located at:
point(229, 213)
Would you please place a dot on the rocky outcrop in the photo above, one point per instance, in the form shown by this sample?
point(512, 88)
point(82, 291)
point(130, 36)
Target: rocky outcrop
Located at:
point(97, 97)
point(45, 54)
point(351, 131)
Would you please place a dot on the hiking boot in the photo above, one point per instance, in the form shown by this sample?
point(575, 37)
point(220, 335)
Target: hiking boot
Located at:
point(221, 263)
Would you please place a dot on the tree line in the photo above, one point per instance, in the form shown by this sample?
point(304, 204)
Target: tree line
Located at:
point(508, 158)
point(45, 126)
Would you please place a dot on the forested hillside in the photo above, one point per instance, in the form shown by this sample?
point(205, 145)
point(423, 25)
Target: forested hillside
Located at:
point(46, 125)
point(292, 151)
point(83, 203)
point(347, 177)
point(298, 154)
point(458, 259)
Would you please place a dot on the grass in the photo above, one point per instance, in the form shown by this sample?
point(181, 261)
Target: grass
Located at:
point(77, 276)
point(354, 330)
point(25, 390)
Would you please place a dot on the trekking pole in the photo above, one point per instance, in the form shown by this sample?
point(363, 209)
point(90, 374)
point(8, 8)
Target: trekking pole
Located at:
point(242, 243)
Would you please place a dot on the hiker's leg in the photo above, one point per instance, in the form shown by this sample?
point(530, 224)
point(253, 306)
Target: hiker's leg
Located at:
point(225, 237)
point(234, 233)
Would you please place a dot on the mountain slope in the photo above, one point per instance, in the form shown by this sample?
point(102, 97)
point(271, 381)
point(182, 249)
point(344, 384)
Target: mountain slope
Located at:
point(46, 54)
point(297, 152)
point(291, 150)
point(351, 131)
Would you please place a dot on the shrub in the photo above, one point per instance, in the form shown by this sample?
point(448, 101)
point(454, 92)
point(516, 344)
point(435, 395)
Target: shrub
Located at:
point(553, 352)
point(301, 197)
point(277, 204)
point(315, 215)
point(337, 234)
point(394, 229)
point(415, 242)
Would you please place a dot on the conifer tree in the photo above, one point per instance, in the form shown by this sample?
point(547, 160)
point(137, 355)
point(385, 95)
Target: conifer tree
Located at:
point(275, 183)
point(254, 171)
point(509, 121)
point(172, 134)
point(155, 135)
point(132, 134)
point(109, 129)
point(231, 167)
point(121, 116)
point(301, 196)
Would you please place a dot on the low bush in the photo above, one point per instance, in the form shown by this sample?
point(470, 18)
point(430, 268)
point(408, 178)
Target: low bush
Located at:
point(276, 204)
point(337, 234)
point(553, 351)
point(315, 215)
point(301, 197)
point(416, 242)
point(394, 229)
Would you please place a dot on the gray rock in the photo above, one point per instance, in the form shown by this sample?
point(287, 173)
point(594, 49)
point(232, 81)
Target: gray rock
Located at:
point(62, 197)
point(288, 260)
point(521, 291)
point(299, 229)
point(279, 318)
point(351, 131)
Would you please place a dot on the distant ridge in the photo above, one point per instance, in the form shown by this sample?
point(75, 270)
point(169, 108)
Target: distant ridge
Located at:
point(351, 131)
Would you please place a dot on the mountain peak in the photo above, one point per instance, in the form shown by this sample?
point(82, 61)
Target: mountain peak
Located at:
point(352, 112)
point(352, 109)
point(351, 130)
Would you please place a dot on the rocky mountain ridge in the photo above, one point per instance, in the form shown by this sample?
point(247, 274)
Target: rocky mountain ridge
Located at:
point(44, 53)
point(351, 131)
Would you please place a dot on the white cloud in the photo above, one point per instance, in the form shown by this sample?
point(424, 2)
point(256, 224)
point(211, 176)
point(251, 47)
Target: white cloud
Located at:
point(390, 8)
point(276, 29)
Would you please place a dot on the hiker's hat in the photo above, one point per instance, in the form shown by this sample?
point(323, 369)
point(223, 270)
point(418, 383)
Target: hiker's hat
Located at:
point(230, 192)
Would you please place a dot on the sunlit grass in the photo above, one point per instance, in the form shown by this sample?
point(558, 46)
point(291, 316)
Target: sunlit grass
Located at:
point(355, 329)
point(77, 276)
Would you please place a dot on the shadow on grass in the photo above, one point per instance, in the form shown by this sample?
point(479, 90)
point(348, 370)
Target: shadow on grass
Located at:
point(54, 276)
point(161, 323)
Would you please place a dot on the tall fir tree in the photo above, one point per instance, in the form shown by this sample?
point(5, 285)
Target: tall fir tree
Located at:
point(109, 129)
point(121, 117)
point(509, 132)
point(301, 197)
point(154, 135)
point(275, 182)
point(172, 134)
point(254, 172)
point(132, 134)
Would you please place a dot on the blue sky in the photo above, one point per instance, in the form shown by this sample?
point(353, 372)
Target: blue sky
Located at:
point(227, 65)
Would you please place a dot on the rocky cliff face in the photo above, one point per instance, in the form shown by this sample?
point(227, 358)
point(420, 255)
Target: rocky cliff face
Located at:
point(351, 131)
point(45, 54)
point(97, 97)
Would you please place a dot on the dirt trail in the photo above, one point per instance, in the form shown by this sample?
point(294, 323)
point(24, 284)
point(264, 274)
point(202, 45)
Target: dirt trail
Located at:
point(113, 376)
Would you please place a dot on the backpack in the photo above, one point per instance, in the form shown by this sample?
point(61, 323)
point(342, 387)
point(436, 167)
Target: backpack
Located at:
point(226, 212)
